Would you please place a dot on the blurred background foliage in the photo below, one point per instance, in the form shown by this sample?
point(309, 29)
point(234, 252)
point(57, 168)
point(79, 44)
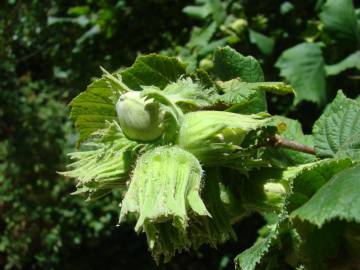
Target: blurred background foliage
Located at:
point(50, 50)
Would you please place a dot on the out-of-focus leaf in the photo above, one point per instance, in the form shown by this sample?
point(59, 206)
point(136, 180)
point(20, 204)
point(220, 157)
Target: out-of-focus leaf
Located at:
point(352, 61)
point(286, 7)
point(339, 18)
point(81, 20)
point(337, 131)
point(201, 36)
point(206, 8)
point(218, 10)
point(303, 67)
point(78, 10)
point(197, 12)
point(88, 34)
point(264, 43)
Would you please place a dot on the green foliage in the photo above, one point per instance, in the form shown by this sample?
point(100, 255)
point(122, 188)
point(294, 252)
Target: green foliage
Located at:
point(229, 64)
point(305, 50)
point(248, 259)
point(352, 61)
point(337, 199)
point(290, 129)
point(152, 70)
point(179, 207)
point(50, 50)
point(303, 67)
point(339, 18)
point(264, 43)
point(337, 131)
point(89, 119)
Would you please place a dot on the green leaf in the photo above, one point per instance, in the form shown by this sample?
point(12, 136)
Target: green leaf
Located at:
point(286, 7)
point(278, 88)
point(337, 199)
point(197, 12)
point(300, 183)
point(339, 18)
point(319, 245)
point(152, 69)
point(241, 97)
point(337, 131)
point(91, 109)
point(352, 61)
point(189, 95)
point(213, 7)
point(248, 259)
point(292, 130)
point(200, 37)
point(310, 177)
point(303, 67)
point(265, 44)
point(247, 98)
point(218, 10)
point(229, 64)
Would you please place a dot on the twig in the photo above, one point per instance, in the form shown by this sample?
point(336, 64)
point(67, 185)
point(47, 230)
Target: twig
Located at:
point(278, 141)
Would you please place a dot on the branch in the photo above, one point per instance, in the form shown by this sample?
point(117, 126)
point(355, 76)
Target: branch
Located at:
point(278, 141)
